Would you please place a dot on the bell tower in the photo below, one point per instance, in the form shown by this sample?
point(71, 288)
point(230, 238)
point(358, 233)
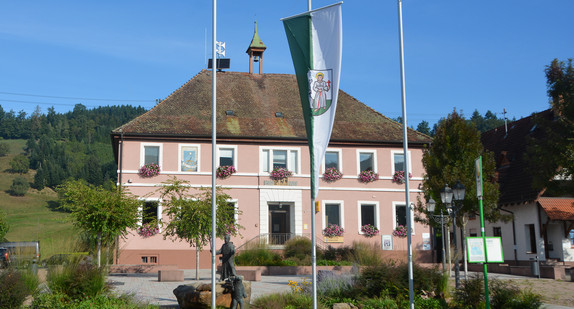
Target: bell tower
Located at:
point(255, 51)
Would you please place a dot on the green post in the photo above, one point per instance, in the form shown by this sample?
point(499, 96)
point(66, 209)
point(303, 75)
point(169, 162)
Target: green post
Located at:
point(478, 165)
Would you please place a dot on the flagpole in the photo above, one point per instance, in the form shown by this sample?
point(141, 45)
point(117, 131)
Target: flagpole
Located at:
point(213, 151)
point(313, 237)
point(406, 156)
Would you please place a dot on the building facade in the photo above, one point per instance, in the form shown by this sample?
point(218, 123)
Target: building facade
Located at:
point(260, 126)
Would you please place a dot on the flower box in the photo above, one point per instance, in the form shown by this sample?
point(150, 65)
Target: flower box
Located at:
point(149, 170)
point(369, 230)
point(332, 174)
point(148, 230)
point(368, 176)
point(225, 171)
point(279, 173)
point(399, 177)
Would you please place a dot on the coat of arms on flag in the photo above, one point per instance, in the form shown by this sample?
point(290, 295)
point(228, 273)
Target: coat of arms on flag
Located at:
point(320, 91)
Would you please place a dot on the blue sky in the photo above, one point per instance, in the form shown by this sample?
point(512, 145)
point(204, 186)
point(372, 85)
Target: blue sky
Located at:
point(463, 54)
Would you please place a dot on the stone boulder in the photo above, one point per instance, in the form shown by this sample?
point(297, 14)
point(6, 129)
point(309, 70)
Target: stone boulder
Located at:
point(198, 295)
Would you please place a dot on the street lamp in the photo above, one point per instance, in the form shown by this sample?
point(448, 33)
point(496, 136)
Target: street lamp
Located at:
point(431, 204)
point(446, 196)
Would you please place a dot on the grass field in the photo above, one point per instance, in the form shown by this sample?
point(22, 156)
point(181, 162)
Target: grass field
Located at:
point(30, 216)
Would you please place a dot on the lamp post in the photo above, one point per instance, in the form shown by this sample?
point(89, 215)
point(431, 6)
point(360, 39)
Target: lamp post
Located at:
point(446, 196)
point(431, 204)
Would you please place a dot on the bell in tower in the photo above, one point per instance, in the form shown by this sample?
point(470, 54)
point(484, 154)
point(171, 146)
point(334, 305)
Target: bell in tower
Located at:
point(255, 51)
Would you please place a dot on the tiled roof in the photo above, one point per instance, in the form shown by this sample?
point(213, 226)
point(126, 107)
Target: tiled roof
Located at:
point(558, 208)
point(255, 99)
point(514, 179)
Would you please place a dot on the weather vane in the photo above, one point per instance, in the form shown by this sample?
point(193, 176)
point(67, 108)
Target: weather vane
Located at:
point(220, 49)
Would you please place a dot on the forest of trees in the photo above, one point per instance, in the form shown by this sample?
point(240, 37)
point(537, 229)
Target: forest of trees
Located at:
point(75, 144)
point(482, 123)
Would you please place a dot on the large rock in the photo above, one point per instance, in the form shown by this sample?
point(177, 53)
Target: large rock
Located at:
point(198, 295)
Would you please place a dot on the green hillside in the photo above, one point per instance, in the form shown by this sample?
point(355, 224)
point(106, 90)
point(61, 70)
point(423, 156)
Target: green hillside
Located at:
point(30, 216)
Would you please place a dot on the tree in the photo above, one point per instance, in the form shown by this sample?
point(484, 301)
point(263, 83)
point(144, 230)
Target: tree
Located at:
point(424, 127)
point(4, 226)
point(450, 158)
point(103, 214)
point(4, 149)
point(190, 215)
point(20, 164)
point(19, 186)
point(554, 135)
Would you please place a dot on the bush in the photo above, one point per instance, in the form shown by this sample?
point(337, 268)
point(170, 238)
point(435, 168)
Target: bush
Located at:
point(78, 280)
point(507, 295)
point(4, 149)
point(299, 248)
point(390, 279)
point(330, 285)
point(366, 254)
point(470, 294)
point(379, 303)
point(20, 164)
point(19, 186)
point(62, 301)
point(344, 253)
point(15, 286)
point(258, 255)
point(285, 301)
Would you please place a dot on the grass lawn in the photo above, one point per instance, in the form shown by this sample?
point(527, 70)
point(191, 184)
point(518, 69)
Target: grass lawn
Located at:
point(30, 216)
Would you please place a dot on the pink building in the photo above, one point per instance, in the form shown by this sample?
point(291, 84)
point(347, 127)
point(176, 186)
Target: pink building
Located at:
point(259, 126)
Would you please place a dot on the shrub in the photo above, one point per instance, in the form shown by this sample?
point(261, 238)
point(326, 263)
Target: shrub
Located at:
point(285, 301)
point(299, 248)
point(4, 149)
point(78, 280)
point(15, 286)
point(507, 295)
point(344, 253)
point(366, 254)
point(62, 301)
point(391, 280)
point(335, 286)
point(19, 186)
point(470, 294)
point(379, 303)
point(258, 255)
point(20, 164)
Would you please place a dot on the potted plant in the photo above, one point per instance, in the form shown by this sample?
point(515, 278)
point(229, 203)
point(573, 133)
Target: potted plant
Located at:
point(400, 231)
point(149, 170)
point(368, 176)
point(333, 233)
point(332, 174)
point(280, 175)
point(369, 230)
point(148, 230)
point(399, 177)
point(225, 171)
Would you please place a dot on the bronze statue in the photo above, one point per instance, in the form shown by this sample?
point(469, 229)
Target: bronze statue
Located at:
point(227, 261)
point(237, 292)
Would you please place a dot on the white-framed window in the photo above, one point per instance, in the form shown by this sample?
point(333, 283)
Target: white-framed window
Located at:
point(333, 158)
point(227, 156)
point(280, 157)
point(151, 211)
point(367, 160)
point(400, 214)
point(188, 158)
point(151, 153)
point(333, 213)
point(398, 161)
point(368, 213)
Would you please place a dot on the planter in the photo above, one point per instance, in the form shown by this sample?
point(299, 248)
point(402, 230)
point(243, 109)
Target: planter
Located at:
point(334, 239)
point(281, 182)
